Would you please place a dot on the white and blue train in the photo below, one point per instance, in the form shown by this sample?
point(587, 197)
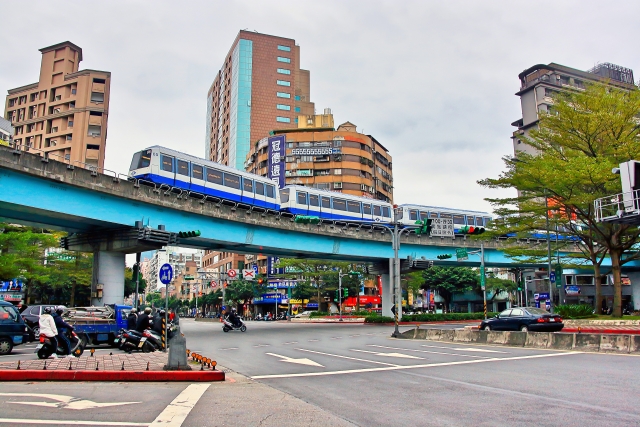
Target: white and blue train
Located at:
point(161, 165)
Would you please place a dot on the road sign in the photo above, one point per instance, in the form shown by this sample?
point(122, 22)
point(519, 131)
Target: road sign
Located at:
point(442, 227)
point(232, 274)
point(552, 277)
point(461, 254)
point(213, 284)
point(186, 277)
point(483, 279)
point(248, 274)
point(166, 274)
point(255, 268)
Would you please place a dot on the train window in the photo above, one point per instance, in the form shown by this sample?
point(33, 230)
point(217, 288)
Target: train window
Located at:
point(326, 202)
point(424, 215)
point(231, 180)
point(167, 163)
point(413, 215)
point(271, 191)
point(145, 159)
point(340, 204)
point(314, 200)
point(302, 198)
point(386, 212)
point(214, 176)
point(259, 188)
point(486, 221)
point(458, 220)
point(433, 215)
point(284, 195)
point(183, 167)
point(377, 210)
point(247, 185)
point(196, 171)
point(366, 208)
point(353, 206)
point(446, 215)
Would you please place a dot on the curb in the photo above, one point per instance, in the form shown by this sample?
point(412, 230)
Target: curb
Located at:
point(120, 376)
point(602, 331)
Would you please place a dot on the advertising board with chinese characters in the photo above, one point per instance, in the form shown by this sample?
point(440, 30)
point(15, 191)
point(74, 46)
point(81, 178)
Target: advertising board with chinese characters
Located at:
point(275, 163)
point(319, 151)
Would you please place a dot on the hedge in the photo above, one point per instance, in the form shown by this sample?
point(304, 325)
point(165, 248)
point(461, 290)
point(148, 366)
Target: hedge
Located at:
point(430, 317)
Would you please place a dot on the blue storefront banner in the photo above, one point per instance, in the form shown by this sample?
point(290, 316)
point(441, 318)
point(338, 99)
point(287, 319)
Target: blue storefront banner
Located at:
point(276, 160)
point(272, 270)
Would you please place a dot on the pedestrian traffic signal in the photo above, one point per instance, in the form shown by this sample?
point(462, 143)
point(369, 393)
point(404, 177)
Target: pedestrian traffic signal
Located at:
point(471, 229)
point(186, 234)
point(444, 256)
point(424, 226)
point(306, 219)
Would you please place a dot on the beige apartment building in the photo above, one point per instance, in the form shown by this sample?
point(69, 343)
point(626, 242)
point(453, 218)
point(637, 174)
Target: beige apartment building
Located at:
point(64, 114)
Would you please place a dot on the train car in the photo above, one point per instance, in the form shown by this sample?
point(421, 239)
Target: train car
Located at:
point(300, 200)
point(165, 166)
point(411, 213)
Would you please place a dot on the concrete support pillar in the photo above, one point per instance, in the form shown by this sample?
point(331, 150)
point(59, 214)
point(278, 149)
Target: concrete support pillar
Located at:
point(108, 273)
point(387, 291)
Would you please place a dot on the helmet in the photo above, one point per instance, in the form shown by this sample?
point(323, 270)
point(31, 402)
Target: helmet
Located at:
point(147, 310)
point(60, 309)
point(162, 312)
point(133, 310)
point(47, 310)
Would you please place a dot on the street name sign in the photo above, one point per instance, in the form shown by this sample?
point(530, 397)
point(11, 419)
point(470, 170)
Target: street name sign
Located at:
point(461, 254)
point(442, 227)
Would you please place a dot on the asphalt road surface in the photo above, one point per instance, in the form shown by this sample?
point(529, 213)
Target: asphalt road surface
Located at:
point(283, 374)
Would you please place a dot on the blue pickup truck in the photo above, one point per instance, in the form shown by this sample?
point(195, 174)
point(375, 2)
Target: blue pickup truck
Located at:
point(98, 325)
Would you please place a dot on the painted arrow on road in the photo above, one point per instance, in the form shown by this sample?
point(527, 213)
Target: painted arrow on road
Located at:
point(66, 402)
point(404, 356)
point(302, 361)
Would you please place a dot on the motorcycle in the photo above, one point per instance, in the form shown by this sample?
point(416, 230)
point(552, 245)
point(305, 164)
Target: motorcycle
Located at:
point(227, 325)
point(131, 339)
point(45, 348)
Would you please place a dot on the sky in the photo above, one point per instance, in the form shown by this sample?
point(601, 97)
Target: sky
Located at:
point(433, 81)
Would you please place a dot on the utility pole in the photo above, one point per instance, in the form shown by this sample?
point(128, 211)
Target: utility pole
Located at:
point(340, 293)
point(137, 271)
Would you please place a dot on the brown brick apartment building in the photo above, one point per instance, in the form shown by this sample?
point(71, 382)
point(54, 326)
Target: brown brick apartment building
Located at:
point(65, 113)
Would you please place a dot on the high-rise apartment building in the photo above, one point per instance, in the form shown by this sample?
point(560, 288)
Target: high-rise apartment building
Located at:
point(539, 83)
point(177, 257)
point(259, 87)
point(63, 114)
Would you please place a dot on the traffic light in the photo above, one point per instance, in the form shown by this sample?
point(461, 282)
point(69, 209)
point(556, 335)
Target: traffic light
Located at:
point(444, 256)
point(471, 229)
point(306, 219)
point(424, 226)
point(186, 234)
point(135, 271)
point(260, 281)
point(337, 295)
point(345, 292)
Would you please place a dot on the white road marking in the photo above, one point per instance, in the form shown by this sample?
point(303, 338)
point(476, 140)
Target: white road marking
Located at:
point(356, 335)
point(479, 350)
point(404, 356)
point(346, 357)
point(69, 422)
point(230, 348)
point(292, 342)
point(178, 410)
point(430, 352)
point(63, 401)
point(313, 340)
point(428, 365)
point(262, 345)
point(301, 361)
point(336, 338)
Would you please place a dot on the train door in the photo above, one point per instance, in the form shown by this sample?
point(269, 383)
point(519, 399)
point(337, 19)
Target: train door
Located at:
point(325, 207)
point(259, 189)
point(271, 196)
point(367, 212)
point(167, 172)
point(197, 179)
point(183, 174)
point(314, 204)
point(247, 191)
point(302, 205)
point(377, 213)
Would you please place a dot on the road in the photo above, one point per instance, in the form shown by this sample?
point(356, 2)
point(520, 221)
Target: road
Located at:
point(285, 374)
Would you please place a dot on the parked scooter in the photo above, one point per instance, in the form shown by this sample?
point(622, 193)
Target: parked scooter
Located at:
point(45, 348)
point(131, 339)
point(227, 325)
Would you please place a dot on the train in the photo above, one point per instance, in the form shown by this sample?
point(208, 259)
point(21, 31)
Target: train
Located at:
point(163, 166)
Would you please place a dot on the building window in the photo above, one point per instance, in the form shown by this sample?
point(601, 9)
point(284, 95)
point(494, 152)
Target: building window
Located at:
point(70, 123)
point(297, 97)
point(284, 59)
point(297, 109)
point(73, 91)
point(68, 137)
point(283, 71)
point(283, 107)
point(283, 119)
point(283, 95)
point(337, 171)
point(295, 120)
point(284, 48)
point(283, 83)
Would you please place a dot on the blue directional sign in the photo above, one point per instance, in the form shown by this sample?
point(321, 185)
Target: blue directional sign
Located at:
point(255, 268)
point(166, 274)
point(552, 277)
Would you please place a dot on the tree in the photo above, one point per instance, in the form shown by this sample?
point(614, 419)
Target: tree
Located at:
point(130, 282)
point(241, 290)
point(71, 272)
point(496, 285)
point(449, 281)
point(587, 134)
point(412, 282)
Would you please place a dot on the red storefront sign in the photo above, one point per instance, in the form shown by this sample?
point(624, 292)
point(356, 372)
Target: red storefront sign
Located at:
point(364, 300)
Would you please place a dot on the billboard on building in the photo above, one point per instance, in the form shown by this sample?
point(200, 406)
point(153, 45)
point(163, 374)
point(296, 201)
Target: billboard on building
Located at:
point(276, 160)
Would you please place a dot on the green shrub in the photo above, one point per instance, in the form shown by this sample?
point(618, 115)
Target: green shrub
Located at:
point(575, 311)
point(318, 314)
point(445, 317)
point(378, 319)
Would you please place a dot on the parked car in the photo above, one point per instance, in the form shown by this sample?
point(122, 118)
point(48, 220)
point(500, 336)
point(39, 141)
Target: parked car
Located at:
point(306, 313)
point(31, 316)
point(524, 319)
point(13, 330)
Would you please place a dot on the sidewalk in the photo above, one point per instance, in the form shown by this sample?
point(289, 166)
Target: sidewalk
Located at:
point(116, 366)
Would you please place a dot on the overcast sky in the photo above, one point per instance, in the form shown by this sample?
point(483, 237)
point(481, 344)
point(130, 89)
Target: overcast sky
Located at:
point(434, 82)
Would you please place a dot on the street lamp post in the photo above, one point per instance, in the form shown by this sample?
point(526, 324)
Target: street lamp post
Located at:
point(482, 277)
point(397, 233)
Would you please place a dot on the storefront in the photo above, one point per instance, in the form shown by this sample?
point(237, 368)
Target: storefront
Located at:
point(367, 302)
point(580, 289)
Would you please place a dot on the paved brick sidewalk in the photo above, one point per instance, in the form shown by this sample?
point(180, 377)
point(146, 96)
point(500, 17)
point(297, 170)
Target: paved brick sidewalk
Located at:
point(104, 362)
